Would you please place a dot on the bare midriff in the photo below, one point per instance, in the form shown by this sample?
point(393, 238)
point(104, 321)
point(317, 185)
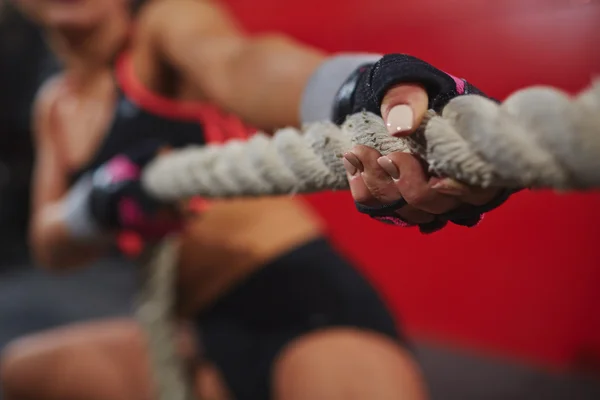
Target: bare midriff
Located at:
point(236, 237)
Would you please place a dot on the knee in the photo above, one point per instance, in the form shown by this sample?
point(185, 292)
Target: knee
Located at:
point(10, 370)
point(22, 363)
point(346, 364)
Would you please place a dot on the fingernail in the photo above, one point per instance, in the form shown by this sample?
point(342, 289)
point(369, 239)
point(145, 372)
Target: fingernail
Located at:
point(400, 119)
point(351, 158)
point(451, 187)
point(350, 169)
point(388, 165)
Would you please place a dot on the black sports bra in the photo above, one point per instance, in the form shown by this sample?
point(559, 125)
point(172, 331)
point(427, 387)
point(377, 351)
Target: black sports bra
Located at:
point(141, 115)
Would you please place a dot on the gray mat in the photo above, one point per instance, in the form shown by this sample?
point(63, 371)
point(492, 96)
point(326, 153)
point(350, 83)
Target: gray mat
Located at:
point(454, 375)
point(31, 300)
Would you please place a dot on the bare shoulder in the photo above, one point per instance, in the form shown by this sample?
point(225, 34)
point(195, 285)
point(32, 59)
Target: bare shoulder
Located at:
point(166, 31)
point(207, 15)
point(45, 100)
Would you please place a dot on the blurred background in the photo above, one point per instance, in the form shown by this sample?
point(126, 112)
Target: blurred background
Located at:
point(510, 310)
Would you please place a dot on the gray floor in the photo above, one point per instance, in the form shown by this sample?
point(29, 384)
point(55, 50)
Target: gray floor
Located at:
point(31, 300)
point(452, 376)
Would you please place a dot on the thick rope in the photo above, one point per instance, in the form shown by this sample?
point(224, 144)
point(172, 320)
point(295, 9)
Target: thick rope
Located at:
point(155, 312)
point(539, 137)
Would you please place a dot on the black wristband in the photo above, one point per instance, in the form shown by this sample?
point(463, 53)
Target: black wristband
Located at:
point(365, 89)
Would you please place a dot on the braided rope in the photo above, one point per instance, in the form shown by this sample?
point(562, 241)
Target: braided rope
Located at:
point(155, 311)
point(539, 137)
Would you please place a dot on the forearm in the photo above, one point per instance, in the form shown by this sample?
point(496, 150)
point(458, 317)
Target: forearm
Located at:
point(64, 234)
point(55, 248)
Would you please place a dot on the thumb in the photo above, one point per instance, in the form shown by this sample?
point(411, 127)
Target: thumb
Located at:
point(403, 108)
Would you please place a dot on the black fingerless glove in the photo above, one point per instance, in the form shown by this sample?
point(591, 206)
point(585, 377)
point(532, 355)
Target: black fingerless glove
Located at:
point(118, 200)
point(365, 89)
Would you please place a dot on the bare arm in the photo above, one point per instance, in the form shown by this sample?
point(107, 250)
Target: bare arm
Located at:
point(52, 245)
point(260, 78)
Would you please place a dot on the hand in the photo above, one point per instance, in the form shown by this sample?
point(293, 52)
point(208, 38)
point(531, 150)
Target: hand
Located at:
point(118, 200)
point(397, 188)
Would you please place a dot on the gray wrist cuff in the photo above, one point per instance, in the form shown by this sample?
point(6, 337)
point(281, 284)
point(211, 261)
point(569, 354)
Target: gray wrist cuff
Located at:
point(320, 92)
point(75, 210)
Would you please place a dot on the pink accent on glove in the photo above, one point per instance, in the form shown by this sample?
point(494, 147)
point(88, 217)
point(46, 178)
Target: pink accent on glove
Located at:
point(393, 221)
point(460, 84)
point(134, 218)
point(121, 168)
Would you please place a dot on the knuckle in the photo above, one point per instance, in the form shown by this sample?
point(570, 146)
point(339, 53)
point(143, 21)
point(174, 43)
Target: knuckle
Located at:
point(425, 200)
point(415, 196)
point(378, 182)
point(363, 198)
point(384, 192)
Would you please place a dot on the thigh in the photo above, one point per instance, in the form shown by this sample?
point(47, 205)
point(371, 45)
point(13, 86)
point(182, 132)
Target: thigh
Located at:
point(345, 364)
point(97, 360)
point(311, 289)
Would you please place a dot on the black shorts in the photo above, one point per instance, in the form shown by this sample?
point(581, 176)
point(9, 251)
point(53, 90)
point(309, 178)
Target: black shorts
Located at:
point(307, 289)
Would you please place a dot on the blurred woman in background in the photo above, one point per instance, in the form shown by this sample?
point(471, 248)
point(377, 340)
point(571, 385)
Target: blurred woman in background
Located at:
point(277, 312)
point(24, 64)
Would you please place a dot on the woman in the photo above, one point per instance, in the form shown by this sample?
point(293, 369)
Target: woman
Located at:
point(277, 312)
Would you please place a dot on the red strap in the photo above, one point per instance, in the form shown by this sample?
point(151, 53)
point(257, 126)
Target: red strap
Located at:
point(130, 243)
point(218, 126)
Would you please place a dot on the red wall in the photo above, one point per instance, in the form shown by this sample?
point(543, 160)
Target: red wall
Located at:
point(526, 283)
